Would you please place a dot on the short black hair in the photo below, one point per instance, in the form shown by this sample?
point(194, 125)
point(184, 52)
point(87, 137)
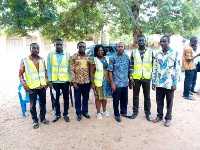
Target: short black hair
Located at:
point(167, 37)
point(141, 36)
point(96, 48)
point(58, 40)
point(32, 45)
point(193, 38)
point(80, 43)
point(120, 43)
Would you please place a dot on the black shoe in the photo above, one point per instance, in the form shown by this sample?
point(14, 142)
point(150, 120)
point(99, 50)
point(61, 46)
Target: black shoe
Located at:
point(194, 91)
point(190, 98)
point(79, 117)
point(66, 118)
point(45, 121)
point(55, 118)
point(134, 115)
point(118, 119)
point(125, 115)
point(35, 125)
point(86, 116)
point(149, 118)
point(190, 93)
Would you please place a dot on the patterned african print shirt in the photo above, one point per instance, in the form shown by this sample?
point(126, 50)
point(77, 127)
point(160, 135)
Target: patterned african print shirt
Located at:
point(119, 65)
point(166, 69)
point(79, 67)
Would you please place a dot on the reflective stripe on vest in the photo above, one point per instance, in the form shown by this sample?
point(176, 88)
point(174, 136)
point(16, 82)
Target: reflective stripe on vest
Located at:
point(60, 72)
point(98, 75)
point(142, 69)
point(34, 77)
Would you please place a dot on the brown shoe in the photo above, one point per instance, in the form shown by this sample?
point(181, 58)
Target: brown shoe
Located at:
point(167, 123)
point(157, 119)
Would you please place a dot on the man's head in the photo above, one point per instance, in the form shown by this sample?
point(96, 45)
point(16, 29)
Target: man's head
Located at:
point(164, 42)
point(81, 47)
point(34, 48)
point(120, 48)
point(58, 44)
point(193, 42)
point(141, 41)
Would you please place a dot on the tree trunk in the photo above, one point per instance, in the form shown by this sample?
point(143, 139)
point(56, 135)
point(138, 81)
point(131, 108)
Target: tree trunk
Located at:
point(136, 30)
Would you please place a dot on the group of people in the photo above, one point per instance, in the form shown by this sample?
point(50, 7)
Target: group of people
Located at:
point(108, 77)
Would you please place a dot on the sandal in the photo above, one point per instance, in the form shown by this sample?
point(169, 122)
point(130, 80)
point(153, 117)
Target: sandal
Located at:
point(45, 121)
point(35, 125)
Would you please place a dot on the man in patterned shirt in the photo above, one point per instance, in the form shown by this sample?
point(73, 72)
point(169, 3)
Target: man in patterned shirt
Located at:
point(166, 71)
point(79, 67)
point(118, 75)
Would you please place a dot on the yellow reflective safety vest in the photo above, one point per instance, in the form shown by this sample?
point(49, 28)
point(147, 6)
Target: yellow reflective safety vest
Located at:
point(60, 72)
point(34, 77)
point(142, 69)
point(98, 75)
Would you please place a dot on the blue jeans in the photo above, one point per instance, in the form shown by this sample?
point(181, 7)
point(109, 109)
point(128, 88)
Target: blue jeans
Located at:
point(121, 94)
point(194, 79)
point(33, 98)
point(83, 89)
point(187, 83)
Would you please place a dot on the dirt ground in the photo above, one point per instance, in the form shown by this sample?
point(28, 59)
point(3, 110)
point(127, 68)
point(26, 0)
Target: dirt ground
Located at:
point(16, 132)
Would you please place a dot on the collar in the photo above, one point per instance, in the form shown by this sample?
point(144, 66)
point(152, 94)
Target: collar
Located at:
point(62, 53)
point(169, 51)
point(31, 57)
point(143, 50)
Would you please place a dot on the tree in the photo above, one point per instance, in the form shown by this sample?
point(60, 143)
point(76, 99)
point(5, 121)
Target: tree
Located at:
point(82, 19)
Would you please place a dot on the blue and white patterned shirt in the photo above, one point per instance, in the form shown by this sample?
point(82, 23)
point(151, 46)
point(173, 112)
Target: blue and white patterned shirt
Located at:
point(166, 69)
point(119, 65)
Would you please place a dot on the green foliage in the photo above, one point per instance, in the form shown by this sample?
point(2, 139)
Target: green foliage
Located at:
point(82, 19)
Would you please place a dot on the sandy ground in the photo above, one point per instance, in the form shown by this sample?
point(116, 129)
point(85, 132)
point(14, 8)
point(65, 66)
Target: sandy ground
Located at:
point(16, 132)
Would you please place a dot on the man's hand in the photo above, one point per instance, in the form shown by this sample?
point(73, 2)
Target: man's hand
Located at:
point(173, 88)
point(153, 87)
point(75, 86)
point(189, 60)
point(113, 87)
point(92, 86)
point(27, 89)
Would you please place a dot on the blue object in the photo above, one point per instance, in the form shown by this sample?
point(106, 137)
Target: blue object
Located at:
point(24, 100)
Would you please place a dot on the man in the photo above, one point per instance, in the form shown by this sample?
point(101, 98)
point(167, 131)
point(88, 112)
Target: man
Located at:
point(79, 66)
point(59, 77)
point(166, 71)
point(35, 84)
point(188, 64)
point(140, 71)
point(118, 75)
point(193, 44)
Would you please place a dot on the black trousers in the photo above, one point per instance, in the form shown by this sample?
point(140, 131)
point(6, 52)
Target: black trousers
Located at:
point(160, 96)
point(146, 91)
point(33, 98)
point(121, 94)
point(65, 90)
point(194, 79)
point(83, 89)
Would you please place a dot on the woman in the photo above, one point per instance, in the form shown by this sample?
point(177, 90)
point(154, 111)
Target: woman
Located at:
point(99, 79)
